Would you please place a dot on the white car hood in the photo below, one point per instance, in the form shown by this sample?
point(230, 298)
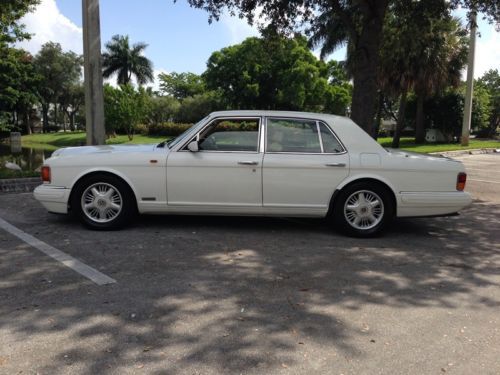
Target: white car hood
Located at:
point(105, 149)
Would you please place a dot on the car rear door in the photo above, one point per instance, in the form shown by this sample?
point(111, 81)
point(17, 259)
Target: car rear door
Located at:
point(303, 164)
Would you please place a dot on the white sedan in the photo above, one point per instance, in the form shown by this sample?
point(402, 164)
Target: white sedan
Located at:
point(268, 163)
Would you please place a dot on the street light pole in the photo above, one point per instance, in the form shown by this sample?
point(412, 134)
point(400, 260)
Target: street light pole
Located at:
point(92, 70)
point(470, 81)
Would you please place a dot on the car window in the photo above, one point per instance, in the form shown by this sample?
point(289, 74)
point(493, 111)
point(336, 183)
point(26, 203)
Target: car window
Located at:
point(330, 143)
point(230, 135)
point(285, 135)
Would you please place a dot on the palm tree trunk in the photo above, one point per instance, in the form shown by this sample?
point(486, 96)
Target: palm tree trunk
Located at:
point(55, 114)
point(401, 119)
point(419, 122)
point(366, 60)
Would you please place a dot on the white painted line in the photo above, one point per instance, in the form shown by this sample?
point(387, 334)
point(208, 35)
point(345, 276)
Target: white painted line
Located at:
point(77, 266)
point(490, 182)
point(478, 169)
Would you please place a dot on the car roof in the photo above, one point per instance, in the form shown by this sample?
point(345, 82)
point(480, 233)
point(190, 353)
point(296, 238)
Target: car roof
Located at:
point(313, 115)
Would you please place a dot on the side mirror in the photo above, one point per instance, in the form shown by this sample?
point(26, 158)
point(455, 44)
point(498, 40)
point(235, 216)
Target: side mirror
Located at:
point(193, 146)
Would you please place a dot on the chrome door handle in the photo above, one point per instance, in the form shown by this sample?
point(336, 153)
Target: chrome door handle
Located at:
point(247, 162)
point(335, 164)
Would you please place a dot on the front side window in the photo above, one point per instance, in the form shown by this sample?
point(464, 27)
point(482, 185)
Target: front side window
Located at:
point(287, 135)
point(230, 134)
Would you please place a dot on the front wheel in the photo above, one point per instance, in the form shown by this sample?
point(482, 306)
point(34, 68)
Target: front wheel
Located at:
point(103, 202)
point(363, 209)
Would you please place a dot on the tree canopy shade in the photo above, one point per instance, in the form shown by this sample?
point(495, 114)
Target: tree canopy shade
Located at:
point(125, 60)
point(490, 82)
point(274, 72)
point(358, 22)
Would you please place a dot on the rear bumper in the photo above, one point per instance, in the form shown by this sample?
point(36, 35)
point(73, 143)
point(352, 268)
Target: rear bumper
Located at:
point(53, 198)
point(432, 203)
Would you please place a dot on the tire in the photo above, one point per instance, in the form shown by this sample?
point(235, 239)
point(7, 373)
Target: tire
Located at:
point(363, 209)
point(103, 202)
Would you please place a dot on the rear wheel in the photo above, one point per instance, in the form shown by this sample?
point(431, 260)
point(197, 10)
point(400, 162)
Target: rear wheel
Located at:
point(363, 209)
point(103, 202)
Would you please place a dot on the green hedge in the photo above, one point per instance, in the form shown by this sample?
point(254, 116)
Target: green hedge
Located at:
point(165, 129)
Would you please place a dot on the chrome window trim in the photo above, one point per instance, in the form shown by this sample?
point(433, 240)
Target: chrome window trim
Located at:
point(318, 122)
point(197, 135)
point(320, 138)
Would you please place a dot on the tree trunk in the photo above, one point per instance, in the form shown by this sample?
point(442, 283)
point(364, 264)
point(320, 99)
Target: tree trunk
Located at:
point(378, 120)
point(366, 60)
point(419, 122)
point(45, 118)
point(401, 120)
point(26, 121)
point(55, 114)
point(72, 121)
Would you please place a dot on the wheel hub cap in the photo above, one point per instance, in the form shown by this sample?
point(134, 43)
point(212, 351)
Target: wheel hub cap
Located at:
point(101, 202)
point(364, 209)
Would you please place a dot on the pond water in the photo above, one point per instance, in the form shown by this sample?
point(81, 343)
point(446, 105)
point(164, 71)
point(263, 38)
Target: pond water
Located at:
point(29, 159)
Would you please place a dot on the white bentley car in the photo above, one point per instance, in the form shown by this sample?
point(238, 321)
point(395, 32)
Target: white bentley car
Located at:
point(268, 163)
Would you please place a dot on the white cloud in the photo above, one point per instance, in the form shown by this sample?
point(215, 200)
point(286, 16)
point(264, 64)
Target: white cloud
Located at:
point(47, 23)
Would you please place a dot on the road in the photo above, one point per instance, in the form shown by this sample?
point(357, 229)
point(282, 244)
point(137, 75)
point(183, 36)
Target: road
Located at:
point(213, 295)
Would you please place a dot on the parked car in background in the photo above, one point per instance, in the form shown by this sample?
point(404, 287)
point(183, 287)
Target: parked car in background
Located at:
point(268, 163)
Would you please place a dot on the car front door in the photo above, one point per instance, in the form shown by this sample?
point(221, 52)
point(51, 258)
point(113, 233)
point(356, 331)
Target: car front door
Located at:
point(226, 171)
point(303, 164)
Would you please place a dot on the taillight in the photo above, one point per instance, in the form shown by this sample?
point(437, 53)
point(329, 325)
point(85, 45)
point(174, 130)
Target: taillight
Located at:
point(46, 173)
point(461, 178)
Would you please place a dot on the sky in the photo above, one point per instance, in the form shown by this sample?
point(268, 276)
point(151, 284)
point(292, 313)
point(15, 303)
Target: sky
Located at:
point(179, 37)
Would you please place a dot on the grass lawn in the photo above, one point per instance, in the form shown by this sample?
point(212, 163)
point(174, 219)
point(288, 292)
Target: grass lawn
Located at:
point(408, 144)
point(53, 141)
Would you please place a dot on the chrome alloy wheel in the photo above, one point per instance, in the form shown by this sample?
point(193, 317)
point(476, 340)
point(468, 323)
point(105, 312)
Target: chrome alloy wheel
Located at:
point(364, 209)
point(101, 202)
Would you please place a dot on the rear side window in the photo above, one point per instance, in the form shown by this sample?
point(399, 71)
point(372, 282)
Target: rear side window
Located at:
point(297, 136)
point(330, 143)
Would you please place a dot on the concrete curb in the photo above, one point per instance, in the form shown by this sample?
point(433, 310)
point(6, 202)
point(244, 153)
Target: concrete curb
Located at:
point(19, 185)
point(476, 151)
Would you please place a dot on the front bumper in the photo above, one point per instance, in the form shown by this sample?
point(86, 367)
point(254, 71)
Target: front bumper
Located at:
point(432, 203)
point(53, 198)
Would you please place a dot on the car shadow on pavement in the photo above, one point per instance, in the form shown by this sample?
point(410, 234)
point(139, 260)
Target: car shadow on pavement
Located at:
point(233, 295)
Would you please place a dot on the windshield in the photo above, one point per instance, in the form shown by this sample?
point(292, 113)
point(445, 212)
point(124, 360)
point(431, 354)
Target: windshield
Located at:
point(176, 140)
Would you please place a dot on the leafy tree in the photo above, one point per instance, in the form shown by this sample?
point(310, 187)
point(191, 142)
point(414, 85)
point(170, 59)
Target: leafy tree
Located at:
point(181, 85)
point(70, 101)
point(18, 82)
point(358, 22)
point(10, 13)
point(272, 72)
point(124, 60)
point(58, 70)
point(490, 82)
point(193, 108)
point(124, 108)
point(161, 109)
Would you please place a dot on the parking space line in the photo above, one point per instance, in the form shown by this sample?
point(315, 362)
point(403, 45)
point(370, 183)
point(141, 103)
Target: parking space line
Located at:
point(77, 266)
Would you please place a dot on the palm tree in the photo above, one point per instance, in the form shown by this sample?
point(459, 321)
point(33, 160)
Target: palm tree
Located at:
point(441, 61)
point(124, 60)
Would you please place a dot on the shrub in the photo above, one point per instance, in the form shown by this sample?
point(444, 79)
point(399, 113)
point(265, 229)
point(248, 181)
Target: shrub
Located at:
point(167, 129)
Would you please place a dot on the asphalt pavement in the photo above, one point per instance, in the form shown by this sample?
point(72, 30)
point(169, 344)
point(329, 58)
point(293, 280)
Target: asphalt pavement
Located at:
point(226, 295)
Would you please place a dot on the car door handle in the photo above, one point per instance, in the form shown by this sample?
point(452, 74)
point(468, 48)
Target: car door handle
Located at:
point(340, 165)
point(248, 162)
